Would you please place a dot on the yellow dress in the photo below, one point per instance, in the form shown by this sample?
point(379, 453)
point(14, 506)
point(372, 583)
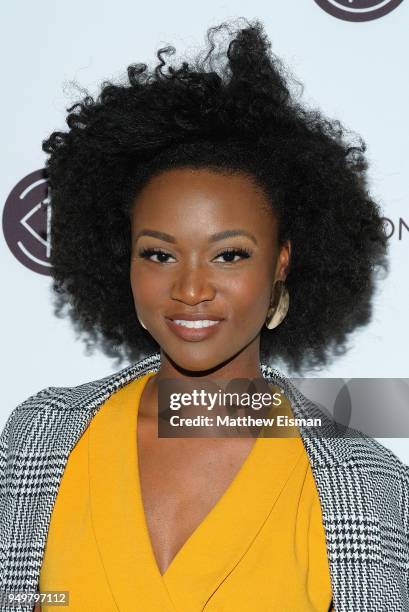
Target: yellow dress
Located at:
point(261, 548)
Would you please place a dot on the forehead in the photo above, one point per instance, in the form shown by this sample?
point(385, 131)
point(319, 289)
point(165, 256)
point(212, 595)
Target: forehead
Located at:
point(203, 195)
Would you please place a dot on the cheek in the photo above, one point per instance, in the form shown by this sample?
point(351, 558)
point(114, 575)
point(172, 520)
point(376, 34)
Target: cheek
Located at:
point(146, 287)
point(249, 294)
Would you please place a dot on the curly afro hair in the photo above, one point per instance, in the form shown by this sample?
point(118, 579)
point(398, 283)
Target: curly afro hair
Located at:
point(231, 109)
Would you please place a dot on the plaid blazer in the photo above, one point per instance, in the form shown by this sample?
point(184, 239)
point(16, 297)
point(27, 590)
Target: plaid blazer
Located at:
point(363, 489)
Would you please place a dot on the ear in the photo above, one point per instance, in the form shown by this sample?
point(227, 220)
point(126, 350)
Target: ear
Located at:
point(283, 261)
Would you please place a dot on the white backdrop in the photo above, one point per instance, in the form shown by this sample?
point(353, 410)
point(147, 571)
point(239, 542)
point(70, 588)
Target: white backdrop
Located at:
point(356, 72)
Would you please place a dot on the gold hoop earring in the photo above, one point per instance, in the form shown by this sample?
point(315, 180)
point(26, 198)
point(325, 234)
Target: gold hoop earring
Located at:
point(279, 305)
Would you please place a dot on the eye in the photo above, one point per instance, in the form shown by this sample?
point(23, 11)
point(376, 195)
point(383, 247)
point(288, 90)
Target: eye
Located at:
point(228, 254)
point(231, 253)
point(147, 254)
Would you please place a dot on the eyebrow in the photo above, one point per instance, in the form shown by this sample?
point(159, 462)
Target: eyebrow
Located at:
point(212, 238)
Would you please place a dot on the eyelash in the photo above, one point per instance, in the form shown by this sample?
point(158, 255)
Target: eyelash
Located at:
point(244, 253)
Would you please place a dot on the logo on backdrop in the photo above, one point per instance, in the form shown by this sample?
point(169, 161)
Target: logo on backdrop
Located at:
point(399, 228)
point(358, 10)
point(26, 222)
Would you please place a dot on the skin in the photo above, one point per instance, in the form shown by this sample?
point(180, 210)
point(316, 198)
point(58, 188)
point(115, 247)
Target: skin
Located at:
point(183, 478)
point(195, 278)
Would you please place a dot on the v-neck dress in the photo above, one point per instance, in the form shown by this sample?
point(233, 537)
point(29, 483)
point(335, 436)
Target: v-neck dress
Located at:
point(260, 548)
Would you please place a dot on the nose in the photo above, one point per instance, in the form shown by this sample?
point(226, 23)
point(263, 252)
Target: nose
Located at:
point(192, 285)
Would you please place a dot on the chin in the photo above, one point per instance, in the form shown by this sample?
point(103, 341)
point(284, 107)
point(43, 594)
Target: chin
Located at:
point(195, 359)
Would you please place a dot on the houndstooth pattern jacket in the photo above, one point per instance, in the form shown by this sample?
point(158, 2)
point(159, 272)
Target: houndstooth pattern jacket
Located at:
point(363, 489)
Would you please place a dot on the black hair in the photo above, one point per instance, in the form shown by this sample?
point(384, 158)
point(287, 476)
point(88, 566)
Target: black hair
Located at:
point(231, 110)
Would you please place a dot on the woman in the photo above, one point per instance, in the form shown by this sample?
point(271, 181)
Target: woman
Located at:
point(203, 217)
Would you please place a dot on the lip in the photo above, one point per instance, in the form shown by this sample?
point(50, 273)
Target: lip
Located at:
point(197, 316)
point(189, 333)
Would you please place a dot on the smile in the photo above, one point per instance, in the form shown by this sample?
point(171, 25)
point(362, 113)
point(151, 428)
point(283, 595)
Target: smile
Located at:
point(194, 331)
point(196, 324)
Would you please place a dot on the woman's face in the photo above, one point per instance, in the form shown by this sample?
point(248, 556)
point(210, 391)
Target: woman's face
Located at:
point(182, 264)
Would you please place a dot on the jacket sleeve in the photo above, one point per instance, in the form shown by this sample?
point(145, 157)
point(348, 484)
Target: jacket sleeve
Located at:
point(4, 451)
point(404, 511)
point(7, 433)
point(12, 437)
point(4, 448)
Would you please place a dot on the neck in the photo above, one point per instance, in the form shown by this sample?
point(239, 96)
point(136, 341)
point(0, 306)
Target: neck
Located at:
point(245, 364)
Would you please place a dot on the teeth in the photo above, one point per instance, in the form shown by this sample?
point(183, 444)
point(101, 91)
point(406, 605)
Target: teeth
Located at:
point(195, 324)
